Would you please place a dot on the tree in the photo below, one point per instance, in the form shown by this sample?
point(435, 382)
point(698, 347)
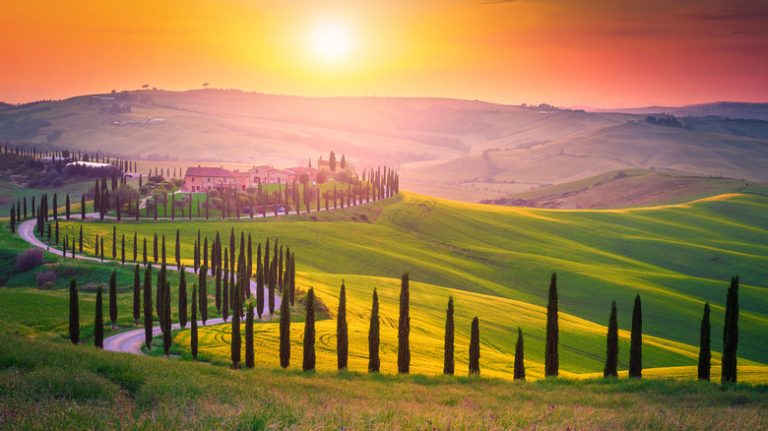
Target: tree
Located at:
point(343, 163)
point(309, 333)
point(166, 319)
point(148, 306)
point(193, 329)
point(13, 218)
point(404, 328)
point(342, 332)
point(731, 333)
point(474, 348)
point(519, 367)
point(249, 335)
point(285, 331)
point(332, 162)
point(74, 313)
point(183, 298)
point(374, 363)
point(122, 249)
point(67, 207)
point(259, 282)
point(705, 353)
point(82, 206)
point(612, 348)
point(448, 361)
point(113, 299)
point(203, 295)
point(551, 358)
point(177, 252)
point(636, 341)
point(154, 248)
point(136, 295)
point(98, 329)
point(236, 342)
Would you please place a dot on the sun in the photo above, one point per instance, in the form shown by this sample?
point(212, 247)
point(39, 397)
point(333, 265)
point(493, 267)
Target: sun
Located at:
point(330, 40)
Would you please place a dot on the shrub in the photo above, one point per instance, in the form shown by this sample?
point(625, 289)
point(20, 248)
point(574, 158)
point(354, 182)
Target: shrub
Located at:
point(28, 259)
point(46, 278)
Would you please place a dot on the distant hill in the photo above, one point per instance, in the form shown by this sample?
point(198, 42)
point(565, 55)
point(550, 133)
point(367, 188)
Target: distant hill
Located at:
point(630, 188)
point(741, 110)
point(459, 149)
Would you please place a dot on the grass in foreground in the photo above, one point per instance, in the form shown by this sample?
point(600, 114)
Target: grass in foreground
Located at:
point(53, 385)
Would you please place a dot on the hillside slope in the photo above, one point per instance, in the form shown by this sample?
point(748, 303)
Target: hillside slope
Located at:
point(496, 261)
point(629, 188)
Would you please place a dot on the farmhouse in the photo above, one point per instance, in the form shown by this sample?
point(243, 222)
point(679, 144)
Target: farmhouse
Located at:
point(201, 179)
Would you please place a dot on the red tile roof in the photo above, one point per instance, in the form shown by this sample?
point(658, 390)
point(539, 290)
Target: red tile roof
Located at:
point(208, 172)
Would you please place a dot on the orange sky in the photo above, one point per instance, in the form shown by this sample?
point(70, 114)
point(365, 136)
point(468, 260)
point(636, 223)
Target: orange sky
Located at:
point(596, 53)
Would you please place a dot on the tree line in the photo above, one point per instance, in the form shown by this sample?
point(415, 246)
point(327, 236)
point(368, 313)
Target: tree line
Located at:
point(244, 308)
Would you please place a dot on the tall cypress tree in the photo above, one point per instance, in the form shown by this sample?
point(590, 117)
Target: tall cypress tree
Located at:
point(136, 295)
point(114, 242)
point(551, 356)
point(236, 342)
point(731, 333)
point(167, 319)
point(259, 283)
point(519, 367)
point(98, 328)
point(193, 329)
point(309, 333)
point(612, 347)
point(183, 298)
point(154, 248)
point(342, 332)
point(113, 299)
point(148, 306)
point(249, 335)
point(177, 252)
point(374, 363)
point(122, 249)
point(474, 348)
point(135, 245)
point(74, 313)
point(636, 341)
point(448, 361)
point(285, 331)
point(67, 207)
point(203, 295)
point(82, 206)
point(705, 353)
point(404, 328)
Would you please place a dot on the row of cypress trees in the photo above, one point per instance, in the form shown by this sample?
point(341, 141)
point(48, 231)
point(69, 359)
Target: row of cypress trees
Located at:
point(730, 333)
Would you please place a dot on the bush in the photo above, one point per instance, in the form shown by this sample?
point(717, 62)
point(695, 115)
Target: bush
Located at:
point(28, 259)
point(46, 278)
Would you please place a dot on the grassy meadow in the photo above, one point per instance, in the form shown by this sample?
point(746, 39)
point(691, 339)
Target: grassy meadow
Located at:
point(496, 262)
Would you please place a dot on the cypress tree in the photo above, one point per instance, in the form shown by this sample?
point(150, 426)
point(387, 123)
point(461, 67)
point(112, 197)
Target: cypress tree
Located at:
point(144, 252)
point(154, 248)
point(74, 313)
point(226, 300)
point(236, 343)
point(167, 319)
point(113, 299)
point(342, 332)
point(636, 341)
point(98, 329)
point(612, 348)
point(309, 333)
point(217, 296)
point(249, 335)
point(551, 356)
point(114, 242)
point(162, 249)
point(374, 363)
point(80, 239)
point(67, 206)
point(404, 328)
point(519, 367)
point(203, 296)
point(731, 333)
point(82, 206)
point(135, 246)
point(705, 353)
point(182, 298)
point(13, 218)
point(259, 283)
point(177, 252)
point(285, 331)
point(148, 306)
point(448, 361)
point(193, 334)
point(474, 348)
point(136, 295)
point(122, 249)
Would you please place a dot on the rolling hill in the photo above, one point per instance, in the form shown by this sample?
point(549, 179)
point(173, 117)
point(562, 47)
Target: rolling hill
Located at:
point(496, 262)
point(630, 188)
point(468, 150)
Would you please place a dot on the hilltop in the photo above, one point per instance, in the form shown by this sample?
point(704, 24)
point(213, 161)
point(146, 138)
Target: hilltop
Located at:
point(469, 150)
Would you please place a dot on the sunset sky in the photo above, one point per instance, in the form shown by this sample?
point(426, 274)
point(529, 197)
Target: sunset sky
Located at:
point(597, 53)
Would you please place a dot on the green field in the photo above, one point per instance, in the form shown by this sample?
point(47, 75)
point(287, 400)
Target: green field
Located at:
point(496, 262)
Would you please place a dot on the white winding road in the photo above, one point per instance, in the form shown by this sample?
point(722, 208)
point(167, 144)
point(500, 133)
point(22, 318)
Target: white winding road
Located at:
point(132, 340)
